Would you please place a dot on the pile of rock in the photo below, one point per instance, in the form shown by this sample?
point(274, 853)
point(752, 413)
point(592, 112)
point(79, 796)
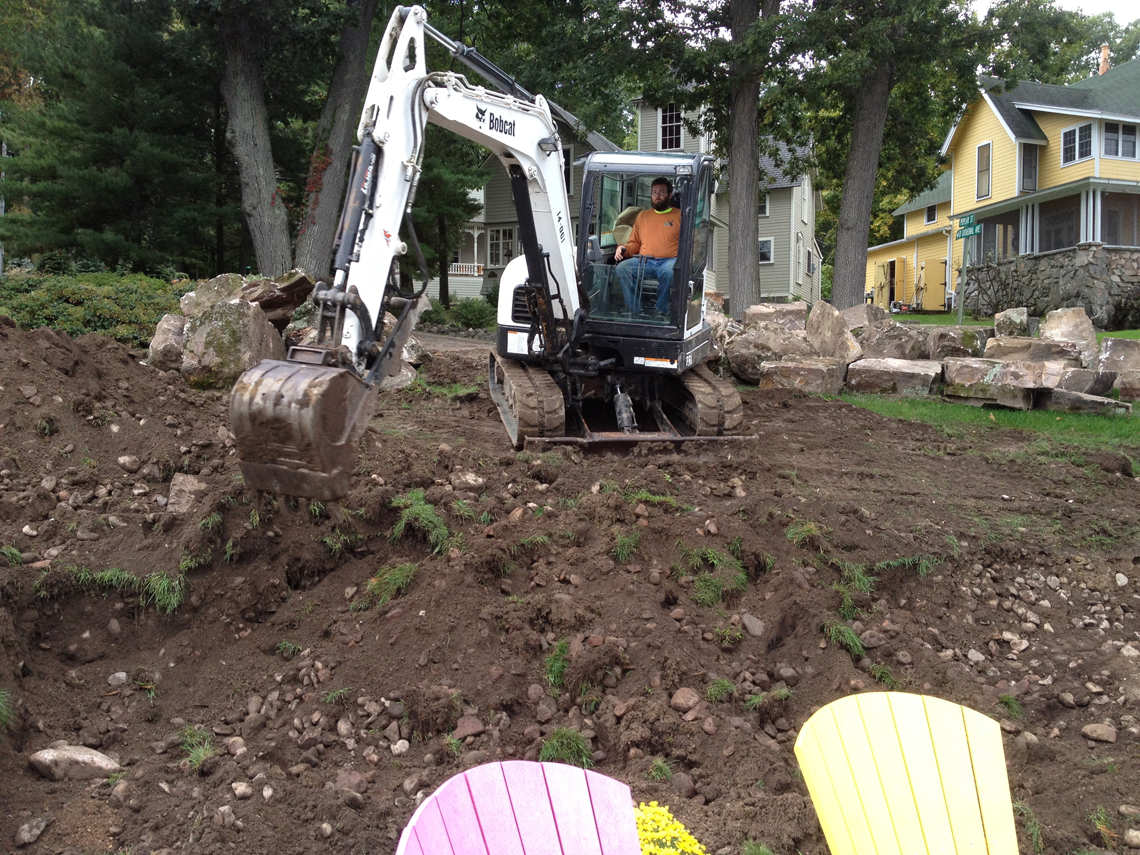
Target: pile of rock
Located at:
point(863, 349)
point(229, 324)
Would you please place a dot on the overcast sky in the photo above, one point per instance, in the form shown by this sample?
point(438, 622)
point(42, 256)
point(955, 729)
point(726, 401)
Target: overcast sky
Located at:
point(1125, 11)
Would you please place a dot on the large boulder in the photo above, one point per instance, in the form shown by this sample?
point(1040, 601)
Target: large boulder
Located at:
point(765, 342)
point(1072, 326)
point(226, 339)
point(220, 289)
point(165, 352)
point(1030, 375)
point(1119, 355)
point(1128, 382)
point(954, 341)
point(1013, 322)
point(968, 371)
point(901, 376)
point(829, 335)
point(1064, 401)
point(280, 297)
point(73, 763)
point(812, 375)
point(863, 315)
point(1086, 380)
point(792, 316)
point(888, 339)
point(1023, 348)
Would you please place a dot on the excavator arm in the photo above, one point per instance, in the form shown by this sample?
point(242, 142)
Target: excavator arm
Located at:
point(297, 421)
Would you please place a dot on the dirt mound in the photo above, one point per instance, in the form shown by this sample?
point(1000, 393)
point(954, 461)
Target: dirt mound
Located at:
point(340, 661)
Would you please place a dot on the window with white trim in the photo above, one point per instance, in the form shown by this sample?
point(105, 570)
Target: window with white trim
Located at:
point(983, 187)
point(931, 215)
point(1076, 144)
point(1119, 140)
point(766, 247)
point(670, 128)
point(500, 246)
point(764, 205)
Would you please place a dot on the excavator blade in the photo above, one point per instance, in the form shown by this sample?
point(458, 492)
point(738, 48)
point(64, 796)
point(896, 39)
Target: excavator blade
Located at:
point(296, 427)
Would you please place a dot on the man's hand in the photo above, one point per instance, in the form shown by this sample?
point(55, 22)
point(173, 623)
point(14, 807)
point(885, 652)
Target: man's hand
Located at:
point(619, 254)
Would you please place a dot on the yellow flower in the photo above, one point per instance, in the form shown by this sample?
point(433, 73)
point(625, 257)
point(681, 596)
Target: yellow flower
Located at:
point(661, 834)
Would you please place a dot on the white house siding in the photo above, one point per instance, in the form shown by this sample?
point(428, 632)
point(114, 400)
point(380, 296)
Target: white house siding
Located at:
point(776, 278)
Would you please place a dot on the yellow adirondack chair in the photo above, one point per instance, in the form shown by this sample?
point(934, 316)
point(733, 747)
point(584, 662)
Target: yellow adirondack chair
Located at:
point(891, 772)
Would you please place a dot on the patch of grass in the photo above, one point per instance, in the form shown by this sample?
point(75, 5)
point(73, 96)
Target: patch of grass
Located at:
point(336, 696)
point(921, 564)
point(590, 698)
point(660, 770)
point(317, 510)
point(729, 634)
point(390, 582)
point(1012, 707)
point(625, 546)
point(462, 509)
point(1032, 826)
point(557, 661)
point(288, 649)
point(718, 690)
point(608, 487)
point(454, 745)
point(807, 533)
point(1101, 821)
point(418, 515)
point(254, 519)
point(845, 637)
point(485, 518)
point(11, 555)
point(751, 847)
point(566, 745)
point(717, 574)
point(532, 542)
point(210, 523)
point(707, 590)
point(337, 542)
point(198, 743)
point(766, 700)
point(230, 553)
point(848, 610)
point(6, 711)
point(193, 560)
point(736, 547)
point(164, 592)
point(643, 496)
point(883, 674)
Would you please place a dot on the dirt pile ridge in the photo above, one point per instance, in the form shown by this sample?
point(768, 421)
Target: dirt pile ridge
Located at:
point(672, 586)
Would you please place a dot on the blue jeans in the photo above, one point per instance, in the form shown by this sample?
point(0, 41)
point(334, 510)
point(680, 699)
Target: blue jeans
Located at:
point(633, 270)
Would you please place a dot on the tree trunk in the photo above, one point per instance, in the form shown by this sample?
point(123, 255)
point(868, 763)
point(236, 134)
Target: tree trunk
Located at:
point(870, 120)
point(444, 264)
point(219, 191)
point(243, 87)
point(744, 168)
point(332, 148)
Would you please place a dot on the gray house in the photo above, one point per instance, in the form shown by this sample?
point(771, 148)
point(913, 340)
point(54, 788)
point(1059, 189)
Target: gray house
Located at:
point(789, 255)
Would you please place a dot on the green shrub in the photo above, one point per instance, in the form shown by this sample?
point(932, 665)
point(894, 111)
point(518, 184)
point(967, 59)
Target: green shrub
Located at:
point(125, 308)
point(473, 313)
point(437, 314)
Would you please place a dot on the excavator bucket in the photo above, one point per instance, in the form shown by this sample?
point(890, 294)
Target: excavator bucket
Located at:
point(296, 427)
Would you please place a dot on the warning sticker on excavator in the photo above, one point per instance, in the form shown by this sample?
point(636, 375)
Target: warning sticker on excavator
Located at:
point(517, 343)
point(654, 362)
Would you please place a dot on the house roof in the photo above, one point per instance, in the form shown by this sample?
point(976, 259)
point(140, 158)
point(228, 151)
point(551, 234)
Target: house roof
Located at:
point(1116, 93)
point(774, 178)
point(596, 140)
point(942, 191)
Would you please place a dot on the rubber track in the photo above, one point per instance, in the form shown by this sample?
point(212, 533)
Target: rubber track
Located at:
point(534, 398)
point(716, 408)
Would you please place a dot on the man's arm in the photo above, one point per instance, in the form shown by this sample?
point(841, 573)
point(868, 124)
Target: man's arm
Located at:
point(633, 244)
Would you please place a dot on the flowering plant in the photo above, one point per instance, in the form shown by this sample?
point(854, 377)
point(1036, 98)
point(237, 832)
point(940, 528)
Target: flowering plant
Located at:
point(661, 834)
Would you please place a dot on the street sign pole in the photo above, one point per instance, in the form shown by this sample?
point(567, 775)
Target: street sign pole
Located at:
point(962, 279)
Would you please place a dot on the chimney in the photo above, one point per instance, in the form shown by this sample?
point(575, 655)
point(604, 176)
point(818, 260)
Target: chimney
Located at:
point(1104, 66)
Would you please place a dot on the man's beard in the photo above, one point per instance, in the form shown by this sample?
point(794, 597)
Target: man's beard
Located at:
point(662, 204)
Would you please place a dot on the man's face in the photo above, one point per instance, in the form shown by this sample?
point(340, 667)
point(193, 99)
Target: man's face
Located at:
point(659, 196)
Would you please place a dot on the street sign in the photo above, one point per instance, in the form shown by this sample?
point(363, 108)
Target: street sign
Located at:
point(966, 220)
point(969, 231)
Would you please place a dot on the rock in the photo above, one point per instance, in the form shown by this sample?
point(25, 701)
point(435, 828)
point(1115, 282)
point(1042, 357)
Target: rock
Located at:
point(350, 779)
point(1087, 381)
point(400, 747)
point(165, 352)
point(73, 763)
point(1099, 732)
point(219, 289)
point(547, 709)
point(969, 371)
point(950, 341)
point(829, 335)
point(683, 784)
point(791, 316)
point(684, 699)
point(809, 375)
point(985, 394)
point(752, 625)
point(467, 725)
point(1128, 382)
point(30, 831)
point(119, 678)
point(344, 728)
point(402, 379)
point(1067, 700)
point(184, 492)
point(1012, 322)
point(129, 463)
point(1062, 401)
point(872, 639)
point(226, 339)
point(863, 315)
point(468, 481)
point(1119, 355)
point(279, 297)
point(887, 376)
point(1121, 580)
point(1011, 348)
point(1029, 375)
point(888, 339)
point(242, 790)
point(760, 343)
point(1074, 327)
point(1132, 838)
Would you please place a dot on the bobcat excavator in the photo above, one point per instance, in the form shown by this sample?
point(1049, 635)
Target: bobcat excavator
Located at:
point(574, 353)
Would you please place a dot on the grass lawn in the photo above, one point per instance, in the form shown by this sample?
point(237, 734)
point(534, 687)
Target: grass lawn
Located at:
point(945, 318)
point(1133, 334)
point(1118, 433)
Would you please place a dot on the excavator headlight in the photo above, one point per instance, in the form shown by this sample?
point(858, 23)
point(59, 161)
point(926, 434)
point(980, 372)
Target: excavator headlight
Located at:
point(549, 145)
point(684, 170)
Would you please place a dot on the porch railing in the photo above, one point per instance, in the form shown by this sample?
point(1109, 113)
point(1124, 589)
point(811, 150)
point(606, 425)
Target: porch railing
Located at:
point(465, 269)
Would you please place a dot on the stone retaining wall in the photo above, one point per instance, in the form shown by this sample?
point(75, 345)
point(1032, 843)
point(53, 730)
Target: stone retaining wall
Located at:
point(1104, 281)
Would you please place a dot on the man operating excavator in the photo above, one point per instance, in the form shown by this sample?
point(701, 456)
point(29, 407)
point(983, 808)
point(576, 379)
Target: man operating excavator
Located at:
point(651, 250)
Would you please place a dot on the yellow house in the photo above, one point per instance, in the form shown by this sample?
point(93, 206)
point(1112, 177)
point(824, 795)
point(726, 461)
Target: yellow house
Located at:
point(915, 271)
point(1036, 170)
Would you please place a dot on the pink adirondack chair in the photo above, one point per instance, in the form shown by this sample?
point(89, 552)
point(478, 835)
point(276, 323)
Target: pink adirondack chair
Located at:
point(524, 808)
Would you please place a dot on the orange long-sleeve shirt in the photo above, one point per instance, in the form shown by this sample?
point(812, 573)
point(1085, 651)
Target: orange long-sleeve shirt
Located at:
point(655, 233)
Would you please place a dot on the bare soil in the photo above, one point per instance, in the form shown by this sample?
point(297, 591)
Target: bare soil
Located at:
point(307, 684)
